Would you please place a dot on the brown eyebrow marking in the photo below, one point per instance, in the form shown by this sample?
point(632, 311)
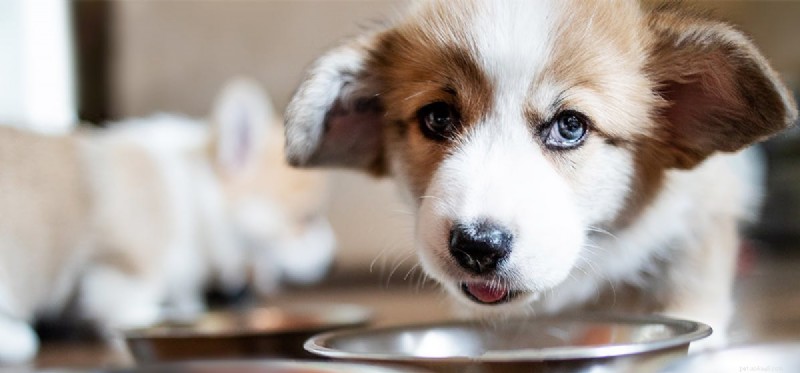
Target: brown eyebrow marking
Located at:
point(612, 140)
point(414, 73)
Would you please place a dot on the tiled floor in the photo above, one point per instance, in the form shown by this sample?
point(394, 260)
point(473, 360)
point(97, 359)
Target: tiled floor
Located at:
point(767, 295)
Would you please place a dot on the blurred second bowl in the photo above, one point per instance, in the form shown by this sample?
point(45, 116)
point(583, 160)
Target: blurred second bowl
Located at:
point(253, 333)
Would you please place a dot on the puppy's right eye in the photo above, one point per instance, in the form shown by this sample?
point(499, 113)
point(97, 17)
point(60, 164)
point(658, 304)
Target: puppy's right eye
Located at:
point(438, 121)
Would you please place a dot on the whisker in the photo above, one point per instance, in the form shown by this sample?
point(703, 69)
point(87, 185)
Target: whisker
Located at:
point(402, 212)
point(415, 94)
point(413, 268)
point(441, 203)
point(601, 230)
point(383, 254)
point(602, 275)
point(396, 267)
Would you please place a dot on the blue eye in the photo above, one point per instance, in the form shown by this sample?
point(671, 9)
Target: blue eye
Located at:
point(566, 131)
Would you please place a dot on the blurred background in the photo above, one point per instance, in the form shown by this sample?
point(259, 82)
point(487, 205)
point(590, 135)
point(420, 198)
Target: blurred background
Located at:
point(146, 56)
point(97, 61)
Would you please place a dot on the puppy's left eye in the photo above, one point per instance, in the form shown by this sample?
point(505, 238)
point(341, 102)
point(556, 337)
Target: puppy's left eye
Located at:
point(566, 131)
point(438, 121)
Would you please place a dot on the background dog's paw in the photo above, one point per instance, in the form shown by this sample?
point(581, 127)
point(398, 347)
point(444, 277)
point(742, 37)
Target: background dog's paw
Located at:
point(18, 342)
point(117, 300)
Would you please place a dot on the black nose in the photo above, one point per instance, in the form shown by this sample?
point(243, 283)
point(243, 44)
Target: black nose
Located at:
point(479, 247)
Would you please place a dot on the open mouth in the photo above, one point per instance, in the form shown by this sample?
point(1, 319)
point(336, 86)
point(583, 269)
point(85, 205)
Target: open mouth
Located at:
point(488, 294)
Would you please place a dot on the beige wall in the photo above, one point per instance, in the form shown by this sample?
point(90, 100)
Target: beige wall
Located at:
point(773, 25)
point(174, 55)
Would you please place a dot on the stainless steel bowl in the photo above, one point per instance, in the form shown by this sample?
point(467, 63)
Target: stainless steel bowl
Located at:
point(773, 358)
point(259, 332)
point(556, 344)
point(266, 366)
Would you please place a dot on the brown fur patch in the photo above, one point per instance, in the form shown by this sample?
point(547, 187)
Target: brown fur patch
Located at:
point(717, 94)
point(416, 69)
point(720, 92)
point(646, 185)
point(677, 90)
point(598, 66)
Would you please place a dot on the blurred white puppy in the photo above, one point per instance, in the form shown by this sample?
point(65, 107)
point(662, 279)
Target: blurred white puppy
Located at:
point(137, 219)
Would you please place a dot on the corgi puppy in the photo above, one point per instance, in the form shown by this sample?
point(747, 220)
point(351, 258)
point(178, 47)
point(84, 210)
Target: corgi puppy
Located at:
point(132, 222)
point(559, 155)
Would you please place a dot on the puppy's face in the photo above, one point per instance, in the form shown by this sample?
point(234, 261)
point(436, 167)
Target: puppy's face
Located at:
point(512, 133)
point(519, 128)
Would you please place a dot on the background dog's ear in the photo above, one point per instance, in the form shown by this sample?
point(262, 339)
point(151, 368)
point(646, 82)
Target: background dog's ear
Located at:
point(335, 118)
point(720, 92)
point(241, 118)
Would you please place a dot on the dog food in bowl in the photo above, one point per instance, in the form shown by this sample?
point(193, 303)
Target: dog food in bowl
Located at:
point(259, 332)
point(556, 344)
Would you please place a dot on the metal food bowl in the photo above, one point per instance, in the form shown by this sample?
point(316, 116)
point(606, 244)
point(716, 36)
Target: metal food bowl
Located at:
point(773, 358)
point(555, 344)
point(266, 366)
point(258, 332)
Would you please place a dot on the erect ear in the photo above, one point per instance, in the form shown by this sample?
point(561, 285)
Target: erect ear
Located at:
point(335, 118)
point(242, 116)
point(720, 92)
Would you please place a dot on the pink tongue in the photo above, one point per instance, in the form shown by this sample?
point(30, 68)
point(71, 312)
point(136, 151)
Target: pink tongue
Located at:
point(487, 294)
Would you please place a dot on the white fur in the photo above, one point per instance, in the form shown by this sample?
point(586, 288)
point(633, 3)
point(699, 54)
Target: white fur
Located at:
point(299, 256)
point(18, 342)
point(118, 300)
point(224, 245)
point(511, 42)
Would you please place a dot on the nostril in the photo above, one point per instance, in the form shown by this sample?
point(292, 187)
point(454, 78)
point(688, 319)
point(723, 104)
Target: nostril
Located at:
point(464, 259)
point(479, 247)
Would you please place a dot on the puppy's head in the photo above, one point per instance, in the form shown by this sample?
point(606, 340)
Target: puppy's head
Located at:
point(276, 211)
point(519, 127)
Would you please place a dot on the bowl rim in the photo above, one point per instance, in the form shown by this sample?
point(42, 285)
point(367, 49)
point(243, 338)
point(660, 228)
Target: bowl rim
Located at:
point(319, 343)
point(332, 366)
point(354, 316)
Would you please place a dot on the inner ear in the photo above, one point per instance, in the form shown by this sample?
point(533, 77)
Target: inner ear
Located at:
point(719, 105)
point(353, 135)
point(719, 92)
point(335, 118)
